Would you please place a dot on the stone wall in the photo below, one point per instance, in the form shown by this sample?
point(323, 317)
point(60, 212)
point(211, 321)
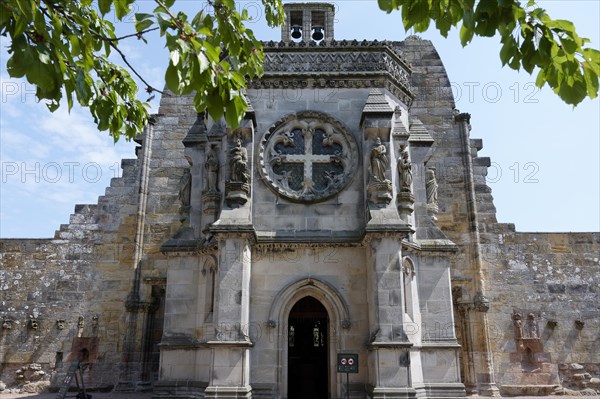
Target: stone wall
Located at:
point(62, 299)
point(552, 280)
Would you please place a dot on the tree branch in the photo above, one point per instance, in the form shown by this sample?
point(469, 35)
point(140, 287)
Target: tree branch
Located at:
point(173, 17)
point(149, 87)
point(116, 39)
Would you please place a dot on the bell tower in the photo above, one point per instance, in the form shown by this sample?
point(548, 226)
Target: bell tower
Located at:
point(306, 22)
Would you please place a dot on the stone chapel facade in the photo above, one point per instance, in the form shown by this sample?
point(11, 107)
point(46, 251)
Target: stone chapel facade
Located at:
point(348, 214)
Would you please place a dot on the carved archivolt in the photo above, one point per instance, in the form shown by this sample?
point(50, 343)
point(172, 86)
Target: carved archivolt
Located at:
point(308, 157)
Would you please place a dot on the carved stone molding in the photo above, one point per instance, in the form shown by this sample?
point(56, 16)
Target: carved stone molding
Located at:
point(343, 64)
point(380, 193)
point(307, 157)
point(406, 203)
point(338, 62)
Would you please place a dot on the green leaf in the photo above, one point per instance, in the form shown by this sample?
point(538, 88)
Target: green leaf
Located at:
point(143, 21)
point(172, 78)
point(591, 81)
point(203, 62)
point(232, 114)
point(104, 6)
point(386, 5)
point(508, 49)
point(121, 8)
point(466, 35)
point(82, 88)
point(215, 105)
point(592, 59)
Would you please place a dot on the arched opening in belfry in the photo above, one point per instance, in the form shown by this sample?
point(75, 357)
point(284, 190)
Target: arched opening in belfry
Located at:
point(308, 363)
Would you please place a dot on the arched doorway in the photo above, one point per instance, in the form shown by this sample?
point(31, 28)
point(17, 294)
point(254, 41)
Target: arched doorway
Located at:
point(308, 365)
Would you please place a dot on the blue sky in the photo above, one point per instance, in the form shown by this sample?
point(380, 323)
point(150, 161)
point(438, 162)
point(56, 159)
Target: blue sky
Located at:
point(545, 172)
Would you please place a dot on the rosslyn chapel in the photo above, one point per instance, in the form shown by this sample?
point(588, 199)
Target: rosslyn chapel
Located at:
point(342, 242)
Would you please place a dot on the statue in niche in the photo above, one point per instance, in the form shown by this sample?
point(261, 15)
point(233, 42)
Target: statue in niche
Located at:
point(185, 193)
point(95, 325)
point(80, 325)
point(212, 171)
point(239, 163)
point(532, 328)
point(380, 188)
point(379, 161)
point(518, 325)
point(431, 186)
point(405, 171)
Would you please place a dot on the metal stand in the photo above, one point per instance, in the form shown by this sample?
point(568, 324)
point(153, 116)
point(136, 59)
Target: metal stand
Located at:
point(347, 386)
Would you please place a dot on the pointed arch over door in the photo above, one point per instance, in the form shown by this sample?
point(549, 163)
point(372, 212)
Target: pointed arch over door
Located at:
point(337, 319)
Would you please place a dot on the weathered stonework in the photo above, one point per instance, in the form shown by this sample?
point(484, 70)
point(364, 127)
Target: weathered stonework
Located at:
point(186, 276)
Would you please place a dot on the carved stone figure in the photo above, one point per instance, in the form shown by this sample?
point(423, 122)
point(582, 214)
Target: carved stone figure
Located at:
point(33, 323)
point(380, 188)
point(237, 188)
point(60, 324)
point(80, 324)
point(239, 163)
point(518, 325)
point(405, 171)
point(7, 324)
point(212, 171)
point(95, 325)
point(532, 328)
point(379, 161)
point(431, 186)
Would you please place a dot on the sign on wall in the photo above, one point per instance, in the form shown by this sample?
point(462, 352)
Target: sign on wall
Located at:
point(347, 362)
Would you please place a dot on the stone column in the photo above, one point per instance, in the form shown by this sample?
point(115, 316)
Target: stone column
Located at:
point(307, 26)
point(479, 327)
point(230, 376)
point(230, 363)
point(389, 348)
